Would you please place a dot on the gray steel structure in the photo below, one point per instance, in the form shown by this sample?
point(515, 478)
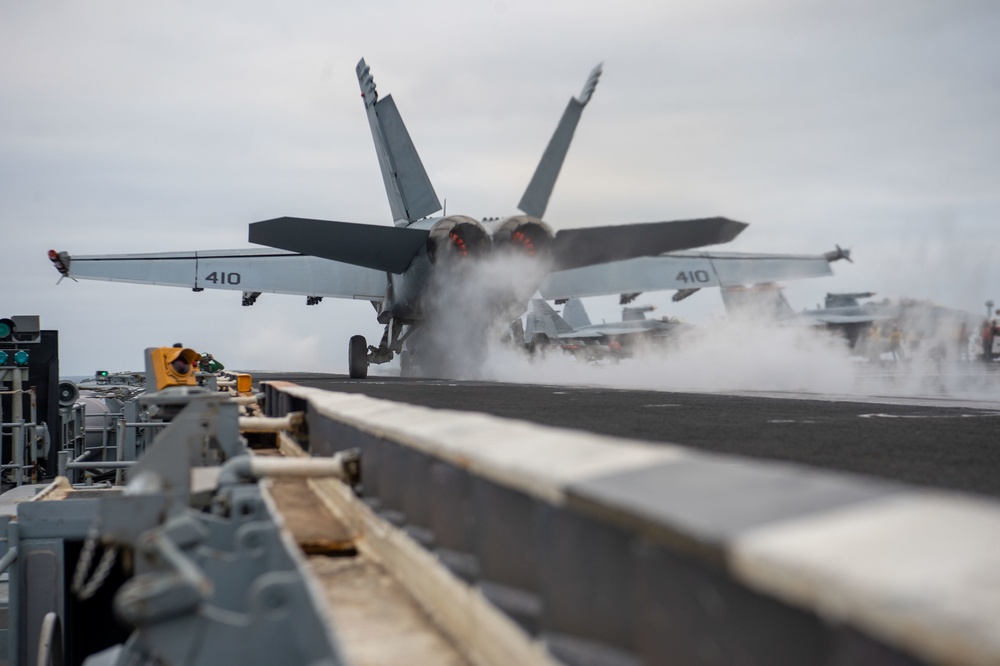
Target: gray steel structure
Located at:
point(190, 560)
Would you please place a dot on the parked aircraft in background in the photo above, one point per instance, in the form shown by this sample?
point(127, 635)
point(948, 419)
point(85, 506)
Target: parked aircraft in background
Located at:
point(544, 326)
point(868, 327)
point(767, 302)
point(401, 268)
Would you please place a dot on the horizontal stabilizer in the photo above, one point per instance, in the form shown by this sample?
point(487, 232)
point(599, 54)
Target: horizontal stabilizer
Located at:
point(575, 248)
point(253, 270)
point(388, 249)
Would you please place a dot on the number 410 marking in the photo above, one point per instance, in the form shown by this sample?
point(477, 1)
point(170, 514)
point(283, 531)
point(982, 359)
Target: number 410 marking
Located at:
point(692, 276)
point(223, 278)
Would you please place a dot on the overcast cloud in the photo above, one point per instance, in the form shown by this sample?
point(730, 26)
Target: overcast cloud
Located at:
point(133, 127)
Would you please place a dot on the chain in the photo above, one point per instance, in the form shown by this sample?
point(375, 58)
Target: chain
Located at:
point(82, 588)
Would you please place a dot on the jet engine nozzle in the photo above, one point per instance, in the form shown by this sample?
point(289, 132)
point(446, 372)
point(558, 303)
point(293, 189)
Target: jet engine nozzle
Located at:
point(523, 234)
point(457, 237)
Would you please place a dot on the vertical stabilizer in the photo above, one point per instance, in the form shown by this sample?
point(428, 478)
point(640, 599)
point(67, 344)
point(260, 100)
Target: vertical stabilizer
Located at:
point(536, 197)
point(575, 314)
point(411, 195)
point(541, 318)
point(760, 301)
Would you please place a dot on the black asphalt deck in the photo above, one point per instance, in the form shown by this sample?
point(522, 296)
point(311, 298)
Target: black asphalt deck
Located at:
point(955, 448)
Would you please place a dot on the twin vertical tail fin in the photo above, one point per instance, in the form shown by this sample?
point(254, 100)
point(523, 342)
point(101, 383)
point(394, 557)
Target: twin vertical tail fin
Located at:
point(541, 318)
point(763, 301)
point(575, 314)
point(536, 197)
point(411, 195)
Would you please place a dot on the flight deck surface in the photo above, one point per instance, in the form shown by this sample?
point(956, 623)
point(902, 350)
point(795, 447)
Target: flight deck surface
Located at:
point(939, 442)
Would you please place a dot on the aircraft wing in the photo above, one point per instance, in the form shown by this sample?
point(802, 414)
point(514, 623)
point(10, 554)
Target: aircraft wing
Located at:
point(682, 270)
point(846, 319)
point(261, 270)
point(646, 326)
point(580, 335)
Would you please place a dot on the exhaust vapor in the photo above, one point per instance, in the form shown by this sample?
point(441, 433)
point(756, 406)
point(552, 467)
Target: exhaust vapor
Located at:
point(469, 309)
point(753, 353)
point(471, 306)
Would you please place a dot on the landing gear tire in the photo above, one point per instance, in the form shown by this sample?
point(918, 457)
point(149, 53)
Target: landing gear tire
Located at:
point(357, 357)
point(405, 364)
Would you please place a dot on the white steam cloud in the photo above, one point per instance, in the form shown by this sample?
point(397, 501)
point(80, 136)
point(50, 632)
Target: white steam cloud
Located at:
point(754, 356)
point(471, 305)
point(721, 356)
point(469, 308)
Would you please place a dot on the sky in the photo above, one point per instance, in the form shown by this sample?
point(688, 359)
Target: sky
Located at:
point(142, 127)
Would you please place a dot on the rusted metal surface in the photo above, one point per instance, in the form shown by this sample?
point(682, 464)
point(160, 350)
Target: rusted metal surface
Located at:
point(315, 528)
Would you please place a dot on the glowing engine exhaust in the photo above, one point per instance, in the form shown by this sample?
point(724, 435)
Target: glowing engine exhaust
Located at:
point(457, 238)
point(525, 235)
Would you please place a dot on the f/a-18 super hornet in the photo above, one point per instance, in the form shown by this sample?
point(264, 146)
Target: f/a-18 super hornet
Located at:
point(415, 273)
point(543, 325)
point(842, 312)
point(865, 326)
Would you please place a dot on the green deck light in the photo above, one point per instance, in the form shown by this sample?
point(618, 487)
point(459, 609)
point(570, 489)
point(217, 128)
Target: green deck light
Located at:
point(21, 357)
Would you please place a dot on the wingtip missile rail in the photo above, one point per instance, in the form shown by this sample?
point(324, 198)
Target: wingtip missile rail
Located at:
point(838, 254)
point(61, 261)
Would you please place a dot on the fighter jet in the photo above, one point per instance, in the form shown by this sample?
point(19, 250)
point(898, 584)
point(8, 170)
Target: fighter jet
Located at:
point(846, 315)
point(400, 269)
point(842, 312)
point(543, 326)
